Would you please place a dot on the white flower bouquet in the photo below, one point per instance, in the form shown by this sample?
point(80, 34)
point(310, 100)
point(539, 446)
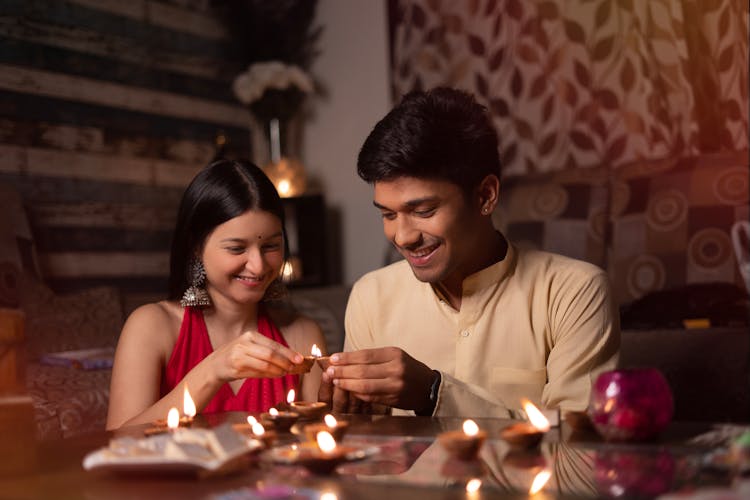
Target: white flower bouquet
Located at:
point(272, 89)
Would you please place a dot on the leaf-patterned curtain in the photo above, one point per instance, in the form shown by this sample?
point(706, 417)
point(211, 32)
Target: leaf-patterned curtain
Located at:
point(583, 83)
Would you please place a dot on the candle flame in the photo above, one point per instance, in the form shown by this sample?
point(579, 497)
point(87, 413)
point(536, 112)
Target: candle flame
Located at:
point(188, 405)
point(315, 351)
point(536, 417)
point(173, 418)
point(330, 421)
point(274, 412)
point(328, 496)
point(251, 420)
point(539, 481)
point(258, 429)
point(290, 396)
point(473, 485)
point(326, 443)
point(470, 428)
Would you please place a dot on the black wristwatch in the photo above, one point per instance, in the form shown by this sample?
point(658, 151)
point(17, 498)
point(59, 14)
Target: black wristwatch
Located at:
point(434, 389)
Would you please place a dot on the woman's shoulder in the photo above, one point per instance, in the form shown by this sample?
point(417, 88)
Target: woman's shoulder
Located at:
point(298, 330)
point(155, 316)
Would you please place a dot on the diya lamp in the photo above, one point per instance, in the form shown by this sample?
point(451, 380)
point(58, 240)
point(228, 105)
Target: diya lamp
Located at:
point(280, 421)
point(464, 444)
point(323, 361)
point(526, 435)
point(306, 409)
point(307, 361)
point(337, 428)
point(256, 431)
point(186, 420)
point(325, 457)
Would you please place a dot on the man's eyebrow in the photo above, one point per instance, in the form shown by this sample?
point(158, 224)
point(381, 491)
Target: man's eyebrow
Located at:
point(411, 203)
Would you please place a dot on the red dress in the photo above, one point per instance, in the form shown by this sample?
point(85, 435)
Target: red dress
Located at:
point(193, 345)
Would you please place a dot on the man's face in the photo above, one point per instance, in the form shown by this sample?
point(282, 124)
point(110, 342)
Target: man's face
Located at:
point(431, 224)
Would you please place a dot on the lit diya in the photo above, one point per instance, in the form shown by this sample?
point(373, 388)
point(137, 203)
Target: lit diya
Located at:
point(323, 458)
point(337, 428)
point(280, 421)
point(186, 420)
point(307, 362)
point(256, 430)
point(524, 435)
point(306, 409)
point(464, 444)
point(323, 361)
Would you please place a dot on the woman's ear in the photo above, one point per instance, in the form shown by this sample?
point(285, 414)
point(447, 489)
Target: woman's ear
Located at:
point(488, 194)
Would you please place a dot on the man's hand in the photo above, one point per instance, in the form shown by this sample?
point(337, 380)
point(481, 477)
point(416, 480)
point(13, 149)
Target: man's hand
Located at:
point(385, 375)
point(339, 400)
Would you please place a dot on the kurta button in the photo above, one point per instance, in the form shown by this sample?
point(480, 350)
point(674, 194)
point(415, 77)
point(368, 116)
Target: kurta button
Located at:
point(465, 333)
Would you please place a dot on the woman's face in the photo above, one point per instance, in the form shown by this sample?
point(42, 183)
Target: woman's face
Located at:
point(243, 256)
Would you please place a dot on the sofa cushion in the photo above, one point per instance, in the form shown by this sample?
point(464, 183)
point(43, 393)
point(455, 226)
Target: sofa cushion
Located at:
point(81, 320)
point(68, 401)
point(672, 220)
point(562, 212)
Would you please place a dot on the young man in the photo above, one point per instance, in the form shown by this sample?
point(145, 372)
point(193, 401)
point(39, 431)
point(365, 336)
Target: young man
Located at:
point(466, 324)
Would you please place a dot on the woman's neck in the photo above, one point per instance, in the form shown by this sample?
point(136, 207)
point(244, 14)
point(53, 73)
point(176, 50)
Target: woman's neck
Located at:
point(231, 318)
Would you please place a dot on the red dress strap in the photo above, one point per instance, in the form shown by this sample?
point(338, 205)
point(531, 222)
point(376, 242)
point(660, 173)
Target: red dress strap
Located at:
point(193, 345)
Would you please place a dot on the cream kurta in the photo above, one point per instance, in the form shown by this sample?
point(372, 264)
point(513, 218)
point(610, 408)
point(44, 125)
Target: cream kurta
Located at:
point(535, 325)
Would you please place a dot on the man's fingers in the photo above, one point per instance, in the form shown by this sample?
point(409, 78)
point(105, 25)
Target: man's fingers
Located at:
point(365, 356)
point(340, 402)
point(367, 388)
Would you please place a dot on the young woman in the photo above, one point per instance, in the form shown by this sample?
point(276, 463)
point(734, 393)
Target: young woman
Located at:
point(225, 340)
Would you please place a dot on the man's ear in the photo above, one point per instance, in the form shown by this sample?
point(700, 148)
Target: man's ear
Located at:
point(488, 194)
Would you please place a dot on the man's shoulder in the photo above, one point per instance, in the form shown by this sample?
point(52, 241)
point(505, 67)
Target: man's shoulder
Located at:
point(554, 263)
point(396, 274)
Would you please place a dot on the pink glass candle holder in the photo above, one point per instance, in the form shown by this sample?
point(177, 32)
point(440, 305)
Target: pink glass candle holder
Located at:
point(630, 404)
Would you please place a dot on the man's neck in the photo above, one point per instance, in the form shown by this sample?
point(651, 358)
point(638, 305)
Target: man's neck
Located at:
point(451, 288)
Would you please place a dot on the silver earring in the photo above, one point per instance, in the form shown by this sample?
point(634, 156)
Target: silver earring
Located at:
point(196, 295)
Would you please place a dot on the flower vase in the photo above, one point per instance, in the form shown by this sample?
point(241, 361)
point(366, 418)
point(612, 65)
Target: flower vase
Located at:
point(285, 171)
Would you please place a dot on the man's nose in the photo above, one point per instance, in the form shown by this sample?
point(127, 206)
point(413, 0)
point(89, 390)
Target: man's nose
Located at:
point(406, 234)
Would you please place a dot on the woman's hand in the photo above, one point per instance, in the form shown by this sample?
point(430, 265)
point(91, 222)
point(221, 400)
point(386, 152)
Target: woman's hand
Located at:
point(252, 355)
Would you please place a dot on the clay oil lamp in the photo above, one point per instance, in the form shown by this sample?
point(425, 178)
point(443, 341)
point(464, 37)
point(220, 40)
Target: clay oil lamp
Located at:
point(255, 430)
point(337, 428)
point(323, 458)
point(170, 424)
point(186, 420)
point(307, 362)
point(464, 444)
point(280, 421)
point(527, 435)
point(308, 410)
point(323, 361)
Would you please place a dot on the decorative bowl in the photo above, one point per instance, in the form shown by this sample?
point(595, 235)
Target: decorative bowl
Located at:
point(632, 404)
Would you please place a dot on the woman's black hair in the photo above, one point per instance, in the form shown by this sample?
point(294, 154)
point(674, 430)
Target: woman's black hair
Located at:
point(221, 191)
point(441, 134)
